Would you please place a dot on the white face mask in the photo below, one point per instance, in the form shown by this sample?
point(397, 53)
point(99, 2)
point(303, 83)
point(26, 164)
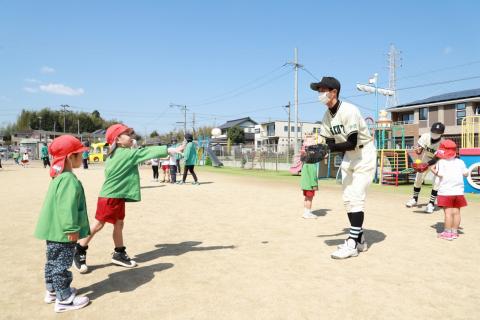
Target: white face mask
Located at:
point(435, 136)
point(323, 98)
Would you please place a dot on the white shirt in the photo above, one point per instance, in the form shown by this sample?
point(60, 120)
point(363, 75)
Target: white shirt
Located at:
point(343, 123)
point(173, 160)
point(429, 148)
point(25, 156)
point(166, 162)
point(154, 162)
point(450, 172)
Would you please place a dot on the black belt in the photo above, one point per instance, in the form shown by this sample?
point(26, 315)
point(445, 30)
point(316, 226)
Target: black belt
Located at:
point(360, 146)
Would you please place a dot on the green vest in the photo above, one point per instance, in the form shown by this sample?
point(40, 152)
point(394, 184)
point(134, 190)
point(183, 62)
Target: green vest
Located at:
point(309, 178)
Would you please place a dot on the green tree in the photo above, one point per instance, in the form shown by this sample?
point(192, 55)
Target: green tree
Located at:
point(236, 135)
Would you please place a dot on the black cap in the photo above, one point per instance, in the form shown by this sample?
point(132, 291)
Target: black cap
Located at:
point(188, 137)
point(438, 128)
point(326, 82)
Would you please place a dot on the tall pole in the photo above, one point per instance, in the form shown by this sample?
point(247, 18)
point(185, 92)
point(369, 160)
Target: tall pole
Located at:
point(78, 126)
point(64, 106)
point(193, 123)
point(289, 129)
point(296, 101)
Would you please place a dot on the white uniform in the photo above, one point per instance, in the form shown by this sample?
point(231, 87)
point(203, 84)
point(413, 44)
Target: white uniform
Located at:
point(428, 154)
point(358, 166)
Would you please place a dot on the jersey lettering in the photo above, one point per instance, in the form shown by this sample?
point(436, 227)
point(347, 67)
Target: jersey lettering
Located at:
point(338, 129)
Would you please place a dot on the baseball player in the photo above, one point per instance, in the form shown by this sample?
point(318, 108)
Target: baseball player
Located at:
point(427, 145)
point(345, 130)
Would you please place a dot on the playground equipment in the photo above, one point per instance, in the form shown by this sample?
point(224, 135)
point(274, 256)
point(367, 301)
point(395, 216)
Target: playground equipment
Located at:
point(470, 152)
point(205, 149)
point(394, 168)
point(98, 152)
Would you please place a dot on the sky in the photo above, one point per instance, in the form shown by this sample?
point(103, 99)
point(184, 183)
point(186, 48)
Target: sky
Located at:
point(225, 60)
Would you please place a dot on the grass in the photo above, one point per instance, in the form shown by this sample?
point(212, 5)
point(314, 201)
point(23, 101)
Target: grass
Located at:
point(288, 177)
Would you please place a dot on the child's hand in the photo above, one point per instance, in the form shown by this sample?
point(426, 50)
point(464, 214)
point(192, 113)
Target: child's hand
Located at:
point(73, 236)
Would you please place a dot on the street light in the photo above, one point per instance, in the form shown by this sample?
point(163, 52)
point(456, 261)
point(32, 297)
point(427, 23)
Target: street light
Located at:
point(372, 87)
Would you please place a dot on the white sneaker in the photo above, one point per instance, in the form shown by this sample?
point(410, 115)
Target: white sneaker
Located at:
point(429, 208)
point(410, 203)
point(71, 303)
point(346, 251)
point(50, 297)
point(309, 215)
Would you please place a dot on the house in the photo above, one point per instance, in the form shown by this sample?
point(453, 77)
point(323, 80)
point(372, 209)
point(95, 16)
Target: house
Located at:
point(274, 135)
point(247, 124)
point(450, 108)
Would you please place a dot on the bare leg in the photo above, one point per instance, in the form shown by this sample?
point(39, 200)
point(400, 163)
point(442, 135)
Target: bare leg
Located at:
point(97, 226)
point(456, 218)
point(118, 234)
point(448, 218)
point(308, 203)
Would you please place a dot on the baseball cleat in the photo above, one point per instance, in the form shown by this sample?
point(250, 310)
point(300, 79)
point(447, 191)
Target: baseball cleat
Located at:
point(346, 251)
point(429, 208)
point(410, 203)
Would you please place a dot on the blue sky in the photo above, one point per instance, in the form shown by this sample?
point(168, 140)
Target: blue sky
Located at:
point(130, 59)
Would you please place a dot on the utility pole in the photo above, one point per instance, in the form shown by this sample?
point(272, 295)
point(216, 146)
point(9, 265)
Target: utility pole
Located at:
point(296, 66)
point(78, 127)
point(184, 109)
point(193, 123)
point(289, 129)
point(394, 61)
point(64, 106)
point(54, 129)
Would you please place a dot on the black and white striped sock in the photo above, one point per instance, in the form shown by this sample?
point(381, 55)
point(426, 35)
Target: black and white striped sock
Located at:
point(416, 192)
point(433, 196)
point(356, 221)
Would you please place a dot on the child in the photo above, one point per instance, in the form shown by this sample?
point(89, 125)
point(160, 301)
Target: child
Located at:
point(166, 169)
point(450, 171)
point(45, 156)
point(85, 156)
point(308, 183)
point(154, 163)
point(122, 184)
point(173, 168)
point(190, 156)
point(63, 220)
point(25, 160)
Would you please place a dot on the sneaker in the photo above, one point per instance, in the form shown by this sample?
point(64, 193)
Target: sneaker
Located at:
point(362, 246)
point(196, 183)
point(410, 203)
point(454, 235)
point(309, 215)
point(445, 235)
point(180, 182)
point(121, 258)
point(80, 260)
point(429, 208)
point(347, 250)
point(50, 297)
point(71, 303)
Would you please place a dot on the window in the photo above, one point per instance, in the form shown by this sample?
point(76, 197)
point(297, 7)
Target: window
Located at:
point(406, 118)
point(460, 110)
point(257, 130)
point(423, 114)
point(285, 128)
point(292, 129)
point(271, 130)
point(477, 110)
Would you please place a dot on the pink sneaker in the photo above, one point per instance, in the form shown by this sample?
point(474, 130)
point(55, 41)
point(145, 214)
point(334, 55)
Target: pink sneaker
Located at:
point(454, 235)
point(445, 235)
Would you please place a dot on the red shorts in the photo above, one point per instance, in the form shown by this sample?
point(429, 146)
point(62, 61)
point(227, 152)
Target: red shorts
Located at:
point(451, 201)
point(165, 167)
point(110, 209)
point(309, 193)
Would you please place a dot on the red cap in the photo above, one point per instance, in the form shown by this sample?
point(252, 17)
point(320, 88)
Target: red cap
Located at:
point(447, 150)
point(60, 149)
point(114, 131)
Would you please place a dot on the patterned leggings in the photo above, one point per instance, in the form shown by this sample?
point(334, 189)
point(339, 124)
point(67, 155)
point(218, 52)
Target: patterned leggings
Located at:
point(59, 260)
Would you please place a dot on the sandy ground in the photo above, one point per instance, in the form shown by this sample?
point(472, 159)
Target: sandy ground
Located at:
point(236, 248)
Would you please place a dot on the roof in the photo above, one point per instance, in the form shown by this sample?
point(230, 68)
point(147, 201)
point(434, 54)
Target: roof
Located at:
point(465, 94)
point(236, 122)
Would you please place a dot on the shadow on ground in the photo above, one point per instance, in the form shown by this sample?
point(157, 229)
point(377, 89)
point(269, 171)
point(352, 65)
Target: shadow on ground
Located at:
point(151, 187)
point(321, 212)
point(422, 207)
point(124, 281)
point(175, 249)
point(371, 236)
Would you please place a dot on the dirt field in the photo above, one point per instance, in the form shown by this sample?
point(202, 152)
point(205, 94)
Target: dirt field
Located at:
point(236, 248)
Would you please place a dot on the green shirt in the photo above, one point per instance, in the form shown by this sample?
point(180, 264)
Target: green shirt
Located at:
point(44, 152)
point(122, 179)
point(309, 178)
point(190, 154)
point(64, 210)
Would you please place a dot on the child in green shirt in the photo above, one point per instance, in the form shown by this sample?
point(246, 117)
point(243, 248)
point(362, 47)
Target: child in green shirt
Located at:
point(309, 184)
point(63, 220)
point(122, 184)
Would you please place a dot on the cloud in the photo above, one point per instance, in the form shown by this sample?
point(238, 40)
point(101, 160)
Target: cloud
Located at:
point(447, 50)
point(30, 89)
point(61, 89)
point(31, 80)
point(47, 69)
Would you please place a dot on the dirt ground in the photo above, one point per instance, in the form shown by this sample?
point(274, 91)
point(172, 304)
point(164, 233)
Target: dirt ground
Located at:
point(237, 248)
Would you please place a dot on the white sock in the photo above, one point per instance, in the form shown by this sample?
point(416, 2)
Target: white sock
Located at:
point(307, 211)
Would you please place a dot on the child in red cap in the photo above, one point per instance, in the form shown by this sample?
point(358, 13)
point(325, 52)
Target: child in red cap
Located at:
point(63, 220)
point(122, 184)
point(450, 171)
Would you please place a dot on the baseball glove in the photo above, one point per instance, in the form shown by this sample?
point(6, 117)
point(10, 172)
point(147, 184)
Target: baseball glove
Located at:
point(315, 153)
point(420, 167)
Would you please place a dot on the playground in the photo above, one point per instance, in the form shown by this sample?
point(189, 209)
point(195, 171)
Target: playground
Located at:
point(236, 247)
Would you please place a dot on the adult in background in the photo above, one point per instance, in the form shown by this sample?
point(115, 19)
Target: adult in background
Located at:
point(190, 155)
point(344, 130)
point(45, 156)
point(178, 156)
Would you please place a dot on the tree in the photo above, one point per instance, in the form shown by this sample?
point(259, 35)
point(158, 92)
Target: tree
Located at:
point(236, 135)
point(154, 134)
point(96, 114)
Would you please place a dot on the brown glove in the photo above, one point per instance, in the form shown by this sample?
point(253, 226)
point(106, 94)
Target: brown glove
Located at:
point(420, 167)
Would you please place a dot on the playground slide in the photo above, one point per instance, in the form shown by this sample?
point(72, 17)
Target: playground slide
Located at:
point(215, 161)
point(296, 166)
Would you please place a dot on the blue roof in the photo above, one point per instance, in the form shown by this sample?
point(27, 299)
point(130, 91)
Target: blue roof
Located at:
point(465, 94)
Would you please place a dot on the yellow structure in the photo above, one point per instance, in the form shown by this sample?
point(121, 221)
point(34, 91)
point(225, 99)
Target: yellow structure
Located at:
point(393, 166)
point(470, 128)
point(98, 152)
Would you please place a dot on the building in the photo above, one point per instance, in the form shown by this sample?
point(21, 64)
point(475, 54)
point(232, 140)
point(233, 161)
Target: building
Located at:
point(247, 124)
point(418, 116)
point(275, 134)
